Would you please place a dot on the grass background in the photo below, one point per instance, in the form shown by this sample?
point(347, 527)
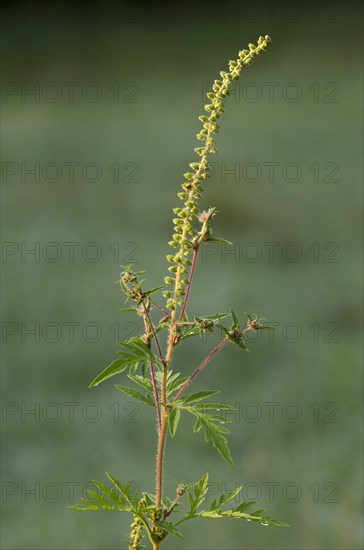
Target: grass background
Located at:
point(161, 55)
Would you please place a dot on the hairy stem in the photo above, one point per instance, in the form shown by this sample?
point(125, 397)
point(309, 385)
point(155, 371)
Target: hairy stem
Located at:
point(192, 270)
point(160, 308)
point(156, 396)
point(161, 441)
point(154, 333)
point(199, 369)
point(172, 322)
point(183, 230)
point(147, 321)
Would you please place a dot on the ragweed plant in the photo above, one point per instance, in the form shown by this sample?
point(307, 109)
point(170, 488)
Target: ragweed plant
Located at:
point(149, 366)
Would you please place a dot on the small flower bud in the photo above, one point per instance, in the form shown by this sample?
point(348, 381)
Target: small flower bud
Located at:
point(169, 280)
point(189, 176)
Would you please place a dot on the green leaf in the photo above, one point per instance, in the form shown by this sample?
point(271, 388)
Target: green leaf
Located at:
point(214, 406)
point(265, 520)
point(148, 292)
point(218, 240)
point(105, 504)
point(136, 394)
point(116, 367)
point(244, 506)
point(128, 309)
point(209, 514)
point(198, 425)
point(199, 493)
point(83, 507)
point(142, 381)
point(124, 491)
point(137, 352)
point(234, 318)
point(213, 432)
point(173, 420)
point(242, 345)
point(99, 501)
point(225, 498)
point(216, 316)
point(174, 383)
point(177, 384)
point(111, 493)
point(170, 528)
point(139, 348)
point(187, 400)
point(133, 368)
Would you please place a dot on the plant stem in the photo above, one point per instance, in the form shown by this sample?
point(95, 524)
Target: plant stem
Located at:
point(199, 369)
point(160, 308)
point(209, 141)
point(172, 333)
point(192, 270)
point(156, 397)
point(154, 332)
point(147, 320)
point(161, 441)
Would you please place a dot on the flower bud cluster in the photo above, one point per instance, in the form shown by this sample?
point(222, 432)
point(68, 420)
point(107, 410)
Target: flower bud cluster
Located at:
point(136, 534)
point(185, 238)
point(130, 285)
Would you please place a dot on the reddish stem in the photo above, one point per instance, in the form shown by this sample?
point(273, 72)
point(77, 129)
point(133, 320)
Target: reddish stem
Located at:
point(154, 333)
point(160, 308)
point(151, 368)
point(156, 397)
point(199, 369)
point(192, 270)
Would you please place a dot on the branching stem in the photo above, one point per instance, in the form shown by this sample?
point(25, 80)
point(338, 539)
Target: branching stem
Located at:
point(199, 369)
point(147, 321)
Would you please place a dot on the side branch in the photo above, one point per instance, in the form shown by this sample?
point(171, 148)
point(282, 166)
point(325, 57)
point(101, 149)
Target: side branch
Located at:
point(199, 369)
point(148, 321)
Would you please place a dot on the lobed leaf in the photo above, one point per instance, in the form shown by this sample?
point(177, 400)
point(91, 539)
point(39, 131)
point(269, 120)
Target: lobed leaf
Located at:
point(213, 432)
point(136, 394)
point(116, 367)
point(169, 527)
point(187, 400)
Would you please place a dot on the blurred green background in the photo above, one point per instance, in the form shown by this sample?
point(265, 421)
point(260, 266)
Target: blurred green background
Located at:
point(139, 71)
